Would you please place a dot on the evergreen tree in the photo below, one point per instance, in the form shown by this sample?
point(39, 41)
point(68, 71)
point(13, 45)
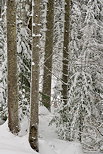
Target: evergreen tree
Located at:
point(3, 64)
point(80, 119)
point(66, 51)
point(57, 51)
point(3, 73)
point(12, 68)
point(33, 133)
point(24, 57)
point(47, 77)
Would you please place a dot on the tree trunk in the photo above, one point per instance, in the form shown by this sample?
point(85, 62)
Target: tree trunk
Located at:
point(12, 67)
point(33, 134)
point(66, 52)
point(0, 11)
point(1, 5)
point(46, 93)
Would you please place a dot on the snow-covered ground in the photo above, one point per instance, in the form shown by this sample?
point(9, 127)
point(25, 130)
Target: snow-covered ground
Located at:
point(48, 140)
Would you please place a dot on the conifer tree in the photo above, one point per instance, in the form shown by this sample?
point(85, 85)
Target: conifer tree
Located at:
point(66, 51)
point(24, 57)
point(80, 119)
point(47, 77)
point(33, 133)
point(3, 61)
point(3, 70)
point(57, 51)
point(12, 67)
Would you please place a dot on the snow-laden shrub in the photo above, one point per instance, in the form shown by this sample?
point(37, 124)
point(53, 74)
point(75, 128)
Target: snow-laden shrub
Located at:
point(3, 66)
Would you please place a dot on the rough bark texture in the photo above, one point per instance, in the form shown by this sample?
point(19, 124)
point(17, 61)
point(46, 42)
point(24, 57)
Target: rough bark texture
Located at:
point(12, 67)
point(1, 3)
point(66, 51)
point(30, 18)
point(46, 93)
point(0, 11)
point(33, 134)
point(81, 119)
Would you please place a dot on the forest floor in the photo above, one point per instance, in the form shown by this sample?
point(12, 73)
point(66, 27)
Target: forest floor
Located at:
point(48, 139)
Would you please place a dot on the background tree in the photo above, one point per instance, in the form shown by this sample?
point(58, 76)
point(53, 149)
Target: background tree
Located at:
point(80, 119)
point(3, 72)
point(47, 77)
point(57, 52)
point(66, 51)
point(0, 8)
point(3, 64)
point(24, 58)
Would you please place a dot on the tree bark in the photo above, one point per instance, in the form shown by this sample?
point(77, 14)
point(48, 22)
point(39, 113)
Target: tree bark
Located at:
point(12, 67)
point(46, 92)
point(0, 11)
point(66, 51)
point(1, 5)
point(33, 133)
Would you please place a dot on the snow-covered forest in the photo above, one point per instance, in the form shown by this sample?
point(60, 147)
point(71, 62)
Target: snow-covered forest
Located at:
point(51, 76)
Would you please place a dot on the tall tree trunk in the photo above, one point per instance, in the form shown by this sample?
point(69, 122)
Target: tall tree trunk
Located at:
point(12, 67)
point(46, 93)
point(0, 11)
point(33, 134)
point(66, 51)
point(81, 119)
point(0, 8)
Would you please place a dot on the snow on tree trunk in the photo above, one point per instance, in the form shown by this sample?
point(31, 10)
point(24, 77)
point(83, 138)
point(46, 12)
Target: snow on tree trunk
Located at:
point(33, 134)
point(66, 51)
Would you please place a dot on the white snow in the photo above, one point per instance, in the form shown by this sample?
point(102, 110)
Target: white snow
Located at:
point(10, 144)
point(45, 148)
point(36, 35)
point(73, 148)
point(48, 139)
point(33, 63)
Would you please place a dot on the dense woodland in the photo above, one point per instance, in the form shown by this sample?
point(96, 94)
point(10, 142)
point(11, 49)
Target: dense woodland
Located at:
point(51, 54)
